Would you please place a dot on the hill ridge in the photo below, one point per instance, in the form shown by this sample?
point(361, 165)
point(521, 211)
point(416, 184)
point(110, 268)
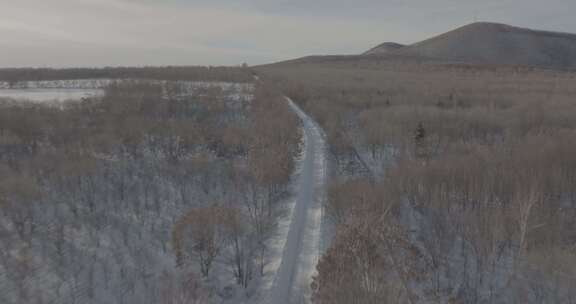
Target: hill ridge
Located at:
point(498, 43)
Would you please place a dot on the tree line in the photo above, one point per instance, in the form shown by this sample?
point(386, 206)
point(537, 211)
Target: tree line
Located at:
point(189, 73)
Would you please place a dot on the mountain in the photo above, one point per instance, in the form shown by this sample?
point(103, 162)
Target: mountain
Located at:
point(494, 43)
point(384, 48)
point(482, 43)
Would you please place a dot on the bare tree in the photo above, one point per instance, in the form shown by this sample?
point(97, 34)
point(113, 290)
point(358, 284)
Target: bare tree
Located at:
point(202, 234)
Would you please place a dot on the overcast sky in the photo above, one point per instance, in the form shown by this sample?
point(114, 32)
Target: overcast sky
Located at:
point(221, 32)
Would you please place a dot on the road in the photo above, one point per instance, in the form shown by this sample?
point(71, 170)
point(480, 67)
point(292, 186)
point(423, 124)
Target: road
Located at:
point(302, 248)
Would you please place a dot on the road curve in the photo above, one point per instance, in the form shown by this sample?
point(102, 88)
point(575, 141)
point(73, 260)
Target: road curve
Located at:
point(302, 248)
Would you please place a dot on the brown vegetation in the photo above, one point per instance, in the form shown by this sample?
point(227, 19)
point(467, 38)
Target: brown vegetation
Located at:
point(474, 181)
point(93, 189)
point(192, 73)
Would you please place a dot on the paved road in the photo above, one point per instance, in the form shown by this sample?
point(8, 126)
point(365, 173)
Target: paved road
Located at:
point(302, 248)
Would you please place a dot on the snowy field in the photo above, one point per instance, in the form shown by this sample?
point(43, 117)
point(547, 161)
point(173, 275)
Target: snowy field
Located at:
point(54, 91)
point(102, 83)
point(49, 95)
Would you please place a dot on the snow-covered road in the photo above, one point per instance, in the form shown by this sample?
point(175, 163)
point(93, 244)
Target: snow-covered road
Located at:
point(302, 247)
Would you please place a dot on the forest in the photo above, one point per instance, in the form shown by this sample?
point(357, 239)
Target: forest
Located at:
point(155, 192)
point(449, 183)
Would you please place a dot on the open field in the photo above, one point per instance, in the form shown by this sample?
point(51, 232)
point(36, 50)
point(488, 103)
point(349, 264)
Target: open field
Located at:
point(49, 95)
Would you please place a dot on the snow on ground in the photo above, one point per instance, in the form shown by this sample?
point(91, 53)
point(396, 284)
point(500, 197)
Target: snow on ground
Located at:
point(102, 83)
point(120, 251)
point(302, 247)
point(58, 84)
point(65, 90)
point(278, 243)
point(294, 251)
point(48, 95)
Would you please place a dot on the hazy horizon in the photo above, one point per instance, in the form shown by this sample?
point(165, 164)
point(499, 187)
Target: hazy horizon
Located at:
point(92, 33)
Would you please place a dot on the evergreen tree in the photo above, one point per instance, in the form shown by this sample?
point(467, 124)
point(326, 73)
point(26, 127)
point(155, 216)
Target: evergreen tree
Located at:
point(419, 140)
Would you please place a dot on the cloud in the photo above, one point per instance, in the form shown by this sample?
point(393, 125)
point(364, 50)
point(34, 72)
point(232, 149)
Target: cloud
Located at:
point(115, 32)
point(21, 27)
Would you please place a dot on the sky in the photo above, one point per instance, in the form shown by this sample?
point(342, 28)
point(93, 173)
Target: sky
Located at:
point(89, 33)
